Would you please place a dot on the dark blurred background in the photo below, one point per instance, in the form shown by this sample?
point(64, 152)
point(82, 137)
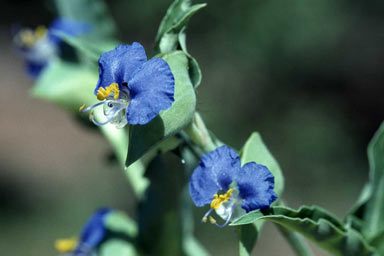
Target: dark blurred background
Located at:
point(306, 74)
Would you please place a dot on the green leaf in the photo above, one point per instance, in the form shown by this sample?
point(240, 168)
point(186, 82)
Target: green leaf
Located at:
point(173, 24)
point(248, 235)
point(354, 218)
point(254, 150)
point(120, 235)
point(66, 84)
point(119, 222)
point(92, 12)
point(194, 71)
point(170, 121)
point(101, 36)
point(317, 225)
point(171, 35)
point(359, 207)
point(88, 51)
point(374, 210)
point(117, 247)
point(378, 242)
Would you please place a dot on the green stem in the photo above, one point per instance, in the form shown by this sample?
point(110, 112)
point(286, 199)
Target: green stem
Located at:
point(199, 134)
point(297, 242)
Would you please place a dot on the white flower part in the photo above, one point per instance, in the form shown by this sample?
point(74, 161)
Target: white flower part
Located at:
point(42, 51)
point(227, 206)
point(231, 209)
point(225, 210)
point(115, 110)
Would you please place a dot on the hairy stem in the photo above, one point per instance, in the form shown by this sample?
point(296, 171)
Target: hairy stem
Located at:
point(199, 134)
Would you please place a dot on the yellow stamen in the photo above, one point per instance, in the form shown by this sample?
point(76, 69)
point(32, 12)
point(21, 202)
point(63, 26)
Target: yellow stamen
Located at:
point(103, 93)
point(29, 37)
point(205, 219)
point(82, 107)
point(40, 32)
point(66, 245)
point(212, 220)
point(218, 200)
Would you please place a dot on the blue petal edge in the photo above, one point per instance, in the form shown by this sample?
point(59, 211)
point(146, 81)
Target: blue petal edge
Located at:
point(151, 90)
point(118, 65)
point(256, 184)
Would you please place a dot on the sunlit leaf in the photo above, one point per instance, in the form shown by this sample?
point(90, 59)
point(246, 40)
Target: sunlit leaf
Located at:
point(317, 225)
point(173, 23)
point(170, 121)
point(171, 35)
point(117, 247)
point(374, 210)
point(66, 84)
point(120, 235)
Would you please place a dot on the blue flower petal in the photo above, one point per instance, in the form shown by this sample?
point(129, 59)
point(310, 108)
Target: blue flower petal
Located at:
point(202, 186)
point(151, 89)
point(68, 27)
point(35, 68)
point(94, 230)
point(256, 183)
point(117, 66)
point(216, 172)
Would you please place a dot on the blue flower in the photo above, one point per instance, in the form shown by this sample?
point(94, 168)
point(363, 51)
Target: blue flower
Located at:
point(92, 234)
point(132, 89)
point(230, 189)
point(41, 46)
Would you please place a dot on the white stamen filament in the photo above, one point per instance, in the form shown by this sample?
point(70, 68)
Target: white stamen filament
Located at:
point(229, 210)
point(120, 105)
point(101, 103)
point(205, 218)
point(110, 116)
point(227, 220)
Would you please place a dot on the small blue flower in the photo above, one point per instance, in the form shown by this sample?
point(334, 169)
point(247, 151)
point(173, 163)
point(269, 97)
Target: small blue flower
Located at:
point(132, 89)
point(91, 236)
point(243, 188)
point(41, 46)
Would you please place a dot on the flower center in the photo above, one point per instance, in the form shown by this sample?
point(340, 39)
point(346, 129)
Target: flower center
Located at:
point(103, 93)
point(218, 200)
point(28, 37)
point(217, 204)
point(115, 103)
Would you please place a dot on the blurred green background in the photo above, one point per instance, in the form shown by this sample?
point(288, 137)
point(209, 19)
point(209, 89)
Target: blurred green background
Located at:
point(305, 73)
